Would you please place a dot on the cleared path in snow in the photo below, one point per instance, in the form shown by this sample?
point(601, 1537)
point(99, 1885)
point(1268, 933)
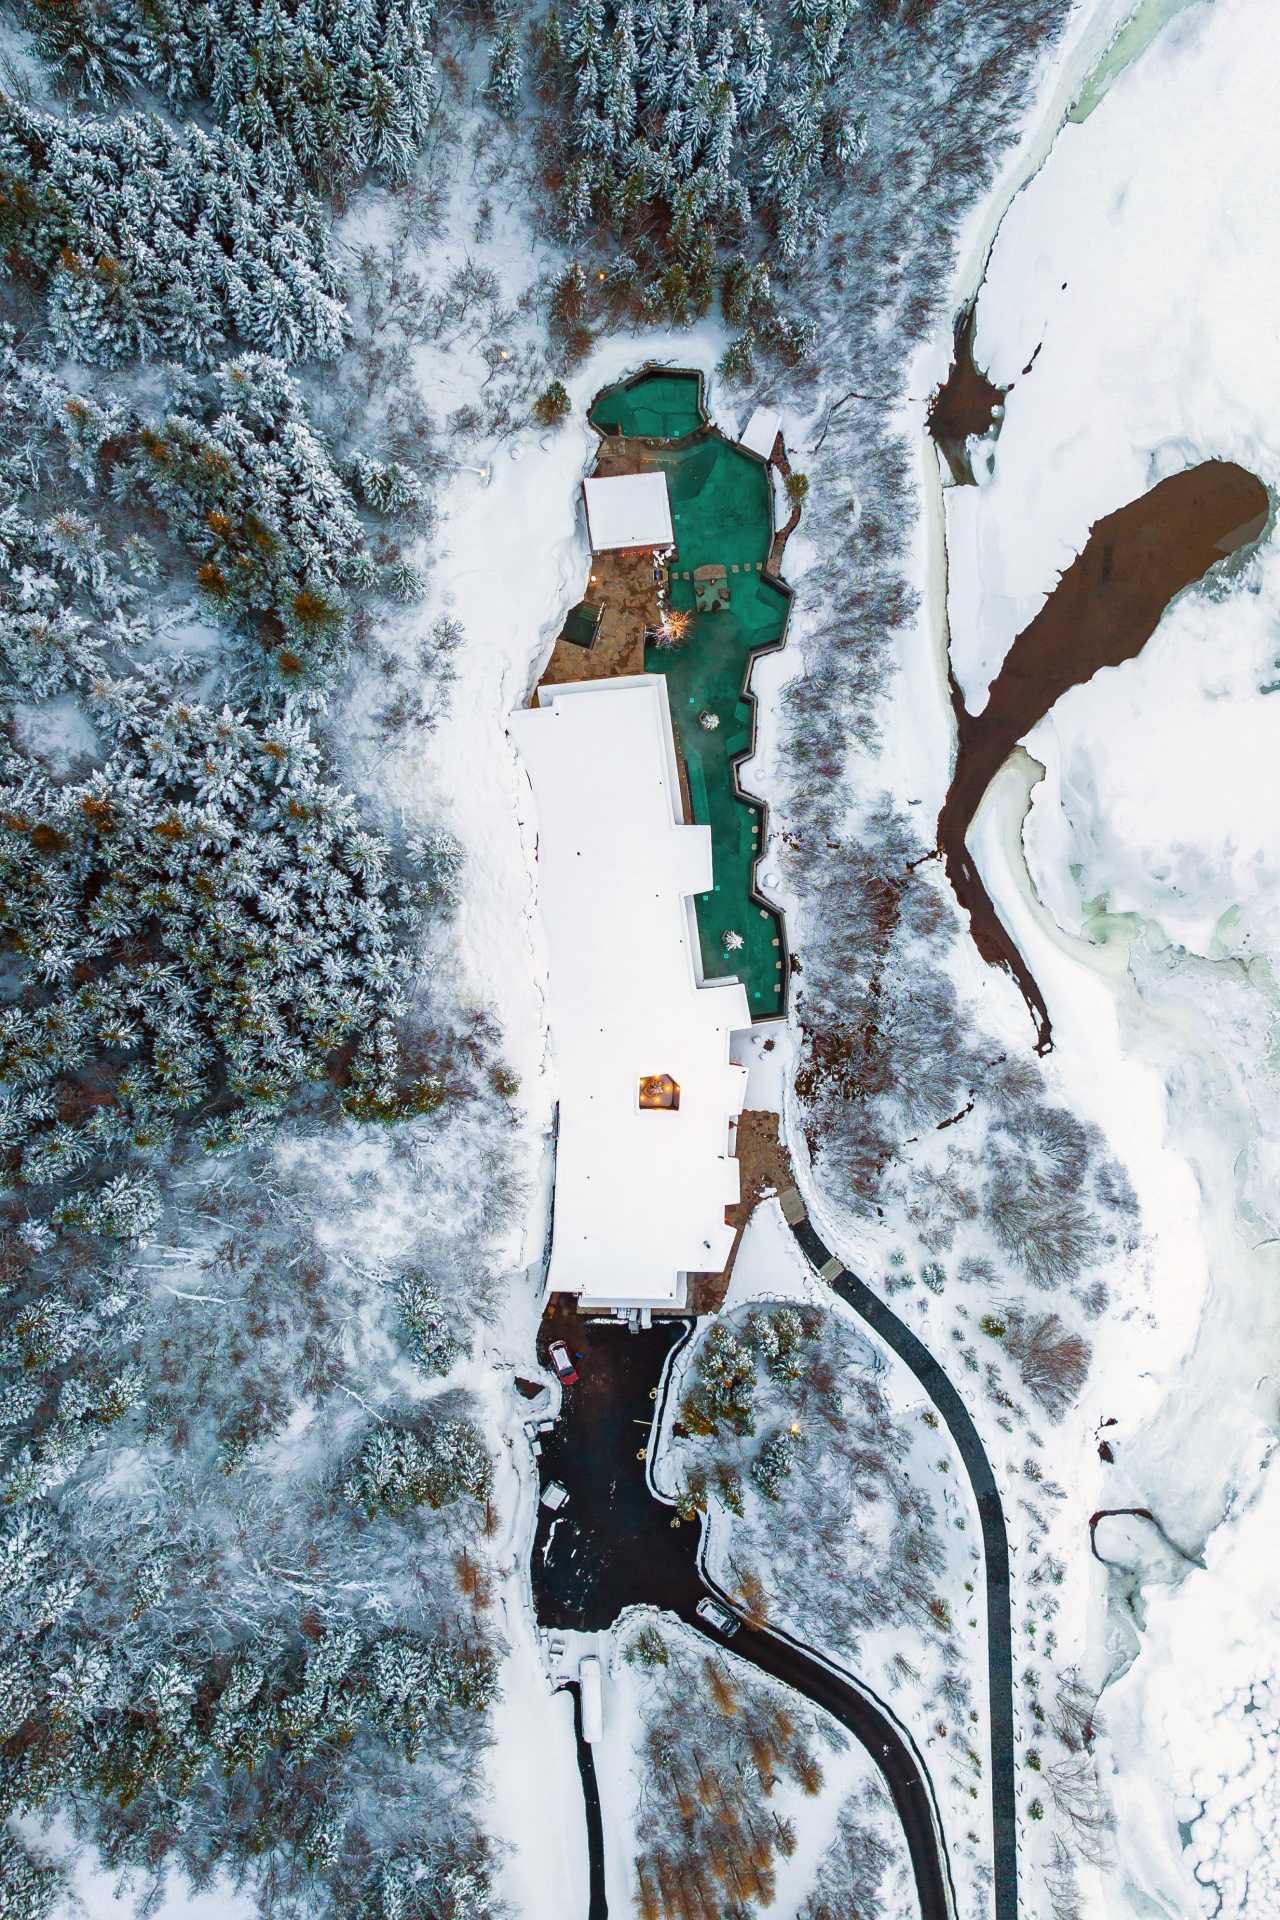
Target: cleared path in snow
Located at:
point(597, 1905)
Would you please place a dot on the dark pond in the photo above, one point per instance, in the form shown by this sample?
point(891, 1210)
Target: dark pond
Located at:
point(1103, 610)
point(964, 406)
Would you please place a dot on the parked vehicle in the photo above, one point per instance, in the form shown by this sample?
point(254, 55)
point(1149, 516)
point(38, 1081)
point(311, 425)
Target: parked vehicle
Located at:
point(562, 1361)
point(718, 1617)
point(555, 1496)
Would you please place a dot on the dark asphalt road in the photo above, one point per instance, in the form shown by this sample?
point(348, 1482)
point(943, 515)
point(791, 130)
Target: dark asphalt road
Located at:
point(597, 1905)
point(788, 1660)
point(614, 1546)
point(995, 1545)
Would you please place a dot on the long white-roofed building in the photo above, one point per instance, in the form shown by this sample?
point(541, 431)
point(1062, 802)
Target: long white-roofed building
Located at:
point(648, 1095)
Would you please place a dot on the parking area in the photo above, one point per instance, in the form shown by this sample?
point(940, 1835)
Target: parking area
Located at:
point(611, 1545)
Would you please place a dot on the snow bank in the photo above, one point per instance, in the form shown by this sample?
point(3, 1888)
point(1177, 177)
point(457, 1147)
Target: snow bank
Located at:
point(1205, 1693)
point(1138, 268)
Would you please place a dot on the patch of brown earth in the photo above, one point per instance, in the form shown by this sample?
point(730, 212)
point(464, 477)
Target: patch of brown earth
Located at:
point(964, 406)
point(764, 1169)
point(1102, 612)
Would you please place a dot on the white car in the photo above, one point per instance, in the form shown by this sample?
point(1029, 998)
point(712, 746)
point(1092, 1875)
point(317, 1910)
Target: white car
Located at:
point(718, 1617)
point(554, 1496)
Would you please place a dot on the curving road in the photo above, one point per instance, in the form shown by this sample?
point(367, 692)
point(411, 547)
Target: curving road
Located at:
point(995, 1542)
point(613, 1546)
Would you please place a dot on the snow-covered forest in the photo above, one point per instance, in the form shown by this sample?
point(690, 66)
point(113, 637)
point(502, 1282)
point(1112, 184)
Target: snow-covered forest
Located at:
point(301, 304)
point(248, 1485)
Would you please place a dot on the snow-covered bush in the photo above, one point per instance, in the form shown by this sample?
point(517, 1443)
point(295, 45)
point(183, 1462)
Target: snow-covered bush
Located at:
point(1052, 1359)
point(431, 1464)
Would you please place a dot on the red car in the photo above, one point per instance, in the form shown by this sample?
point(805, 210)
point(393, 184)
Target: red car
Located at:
point(562, 1361)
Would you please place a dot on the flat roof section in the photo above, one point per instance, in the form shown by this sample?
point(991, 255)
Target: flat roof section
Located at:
point(761, 431)
point(642, 1179)
point(628, 510)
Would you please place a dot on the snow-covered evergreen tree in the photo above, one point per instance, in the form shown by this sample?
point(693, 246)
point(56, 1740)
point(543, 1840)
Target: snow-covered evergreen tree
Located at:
point(251, 490)
point(774, 1464)
point(431, 1324)
point(724, 1387)
point(202, 926)
point(66, 605)
point(153, 243)
point(30, 1889)
point(432, 1464)
point(506, 65)
point(347, 87)
point(720, 117)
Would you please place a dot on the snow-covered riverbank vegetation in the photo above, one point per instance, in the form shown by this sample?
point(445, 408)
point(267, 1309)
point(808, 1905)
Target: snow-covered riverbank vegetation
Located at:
point(1143, 886)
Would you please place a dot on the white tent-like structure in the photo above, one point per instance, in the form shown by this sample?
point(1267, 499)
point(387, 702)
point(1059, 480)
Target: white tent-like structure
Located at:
point(628, 510)
point(761, 432)
point(648, 1096)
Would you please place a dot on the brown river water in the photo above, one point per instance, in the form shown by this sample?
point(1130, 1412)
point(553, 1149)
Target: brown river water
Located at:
point(1103, 610)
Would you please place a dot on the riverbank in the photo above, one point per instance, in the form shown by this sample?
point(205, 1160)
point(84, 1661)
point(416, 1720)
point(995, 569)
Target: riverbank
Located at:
point(1142, 884)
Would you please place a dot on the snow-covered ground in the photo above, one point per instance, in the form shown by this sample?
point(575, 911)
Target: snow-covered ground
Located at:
point(509, 558)
point(1138, 266)
point(627, 1797)
point(894, 1659)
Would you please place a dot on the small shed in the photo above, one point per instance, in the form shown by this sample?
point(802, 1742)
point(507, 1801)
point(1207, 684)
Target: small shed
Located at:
point(760, 435)
point(628, 511)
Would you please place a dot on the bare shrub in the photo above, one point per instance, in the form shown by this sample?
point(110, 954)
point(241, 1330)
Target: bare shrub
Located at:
point(1041, 1224)
point(1053, 1361)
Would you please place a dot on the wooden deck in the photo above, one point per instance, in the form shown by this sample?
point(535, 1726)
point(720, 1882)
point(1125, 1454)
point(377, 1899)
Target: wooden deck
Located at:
point(622, 585)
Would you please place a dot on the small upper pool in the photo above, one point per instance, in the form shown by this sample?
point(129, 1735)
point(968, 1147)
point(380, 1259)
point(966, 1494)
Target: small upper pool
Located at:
point(660, 405)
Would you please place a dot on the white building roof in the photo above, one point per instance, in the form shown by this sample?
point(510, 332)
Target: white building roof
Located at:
point(640, 1195)
point(628, 510)
point(760, 432)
